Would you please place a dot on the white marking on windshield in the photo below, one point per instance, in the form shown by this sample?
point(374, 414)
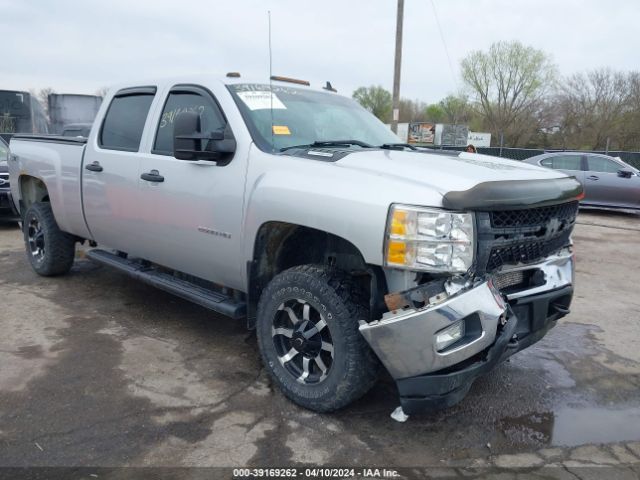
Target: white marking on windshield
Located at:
point(261, 100)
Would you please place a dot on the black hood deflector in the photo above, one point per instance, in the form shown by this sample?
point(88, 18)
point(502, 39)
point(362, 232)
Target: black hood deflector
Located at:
point(514, 194)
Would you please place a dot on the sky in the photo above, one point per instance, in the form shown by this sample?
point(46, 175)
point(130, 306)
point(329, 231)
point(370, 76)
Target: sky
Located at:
point(82, 46)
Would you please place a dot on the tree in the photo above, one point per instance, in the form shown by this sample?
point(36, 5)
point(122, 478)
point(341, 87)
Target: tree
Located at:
point(508, 84)
point(456, 109)
point(629, 135)
point(412, 110)
point(7, 123)
point(375, 99)
point(592, 107)
point(43, 98)
point(434, 113)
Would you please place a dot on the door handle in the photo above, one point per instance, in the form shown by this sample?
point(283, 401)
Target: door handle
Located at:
point(593, 177)
point(152, 176)
point(94, 167)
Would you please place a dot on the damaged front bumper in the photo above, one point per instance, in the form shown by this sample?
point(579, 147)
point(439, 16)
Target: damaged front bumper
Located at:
point(497, 325)
point(405, 341)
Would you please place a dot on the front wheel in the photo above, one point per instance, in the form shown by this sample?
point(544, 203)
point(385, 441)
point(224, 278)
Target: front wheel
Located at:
point(307, 331)
point(49, 250)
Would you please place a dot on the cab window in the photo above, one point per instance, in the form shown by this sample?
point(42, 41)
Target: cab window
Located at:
point(186, 101)
point(124, 122)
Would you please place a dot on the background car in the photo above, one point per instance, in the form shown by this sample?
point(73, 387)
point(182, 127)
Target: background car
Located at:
point(607, 181)
point(6, 213)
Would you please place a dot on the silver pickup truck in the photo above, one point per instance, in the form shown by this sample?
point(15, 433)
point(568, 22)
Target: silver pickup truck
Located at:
point(297, 210)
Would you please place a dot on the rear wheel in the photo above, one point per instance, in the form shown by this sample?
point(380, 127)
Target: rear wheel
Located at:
point(49, 250)
point(308, 336)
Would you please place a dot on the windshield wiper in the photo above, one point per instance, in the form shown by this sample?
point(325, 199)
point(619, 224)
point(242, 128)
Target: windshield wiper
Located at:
point(396, 146)
point(330, 143)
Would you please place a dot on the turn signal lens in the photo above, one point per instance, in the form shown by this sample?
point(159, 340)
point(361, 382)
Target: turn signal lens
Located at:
point(399, 223)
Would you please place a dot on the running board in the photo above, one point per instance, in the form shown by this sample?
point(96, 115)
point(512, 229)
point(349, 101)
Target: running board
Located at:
point(206, 298)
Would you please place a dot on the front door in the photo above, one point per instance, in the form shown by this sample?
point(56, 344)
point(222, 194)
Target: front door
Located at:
point(191, 211)
point(605, 187)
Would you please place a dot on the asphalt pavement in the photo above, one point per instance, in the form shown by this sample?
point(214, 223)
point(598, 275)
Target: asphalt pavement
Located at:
point(97, 369)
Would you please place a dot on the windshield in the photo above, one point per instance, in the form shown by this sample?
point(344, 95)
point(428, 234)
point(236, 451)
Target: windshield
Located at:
point(302, 117)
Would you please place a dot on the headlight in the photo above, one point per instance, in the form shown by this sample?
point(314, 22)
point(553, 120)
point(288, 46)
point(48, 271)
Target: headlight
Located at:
point(429, 239)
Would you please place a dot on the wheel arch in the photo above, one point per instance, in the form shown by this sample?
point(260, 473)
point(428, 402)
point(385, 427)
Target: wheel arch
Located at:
point(32, 190)
point(279, 246)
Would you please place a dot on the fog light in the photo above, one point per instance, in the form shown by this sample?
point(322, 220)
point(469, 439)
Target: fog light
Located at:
point(449, 335)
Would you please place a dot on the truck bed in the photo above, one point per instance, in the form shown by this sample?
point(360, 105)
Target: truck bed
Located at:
point(57, 161)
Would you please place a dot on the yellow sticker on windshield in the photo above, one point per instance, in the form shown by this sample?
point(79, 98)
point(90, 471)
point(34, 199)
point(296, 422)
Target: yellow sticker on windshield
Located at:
point(281, 130)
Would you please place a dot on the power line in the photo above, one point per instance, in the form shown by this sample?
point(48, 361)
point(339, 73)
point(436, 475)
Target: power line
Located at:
point(444, 44)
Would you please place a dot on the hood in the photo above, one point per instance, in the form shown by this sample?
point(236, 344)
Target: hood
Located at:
point(444, 172)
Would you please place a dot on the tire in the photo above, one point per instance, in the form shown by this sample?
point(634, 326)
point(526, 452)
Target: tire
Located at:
point(49, 250)
point(312, 294)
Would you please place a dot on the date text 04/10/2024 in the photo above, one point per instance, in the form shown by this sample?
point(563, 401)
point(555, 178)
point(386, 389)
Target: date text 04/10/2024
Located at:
point(247, 473)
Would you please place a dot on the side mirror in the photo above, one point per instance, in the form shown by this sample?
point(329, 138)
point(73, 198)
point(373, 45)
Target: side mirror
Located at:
point(189, 143)
point(186, 130)
point(625, 173)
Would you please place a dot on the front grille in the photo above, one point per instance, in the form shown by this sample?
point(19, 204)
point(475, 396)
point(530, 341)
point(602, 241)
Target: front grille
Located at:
point(533, 216)
point(4, 180)
point(525, 252)
point(510, 237)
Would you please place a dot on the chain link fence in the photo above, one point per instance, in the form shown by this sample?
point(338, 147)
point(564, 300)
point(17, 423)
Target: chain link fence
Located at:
point(632, 158)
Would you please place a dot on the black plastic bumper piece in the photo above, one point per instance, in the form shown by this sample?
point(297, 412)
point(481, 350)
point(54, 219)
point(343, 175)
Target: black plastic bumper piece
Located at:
point(530, 318)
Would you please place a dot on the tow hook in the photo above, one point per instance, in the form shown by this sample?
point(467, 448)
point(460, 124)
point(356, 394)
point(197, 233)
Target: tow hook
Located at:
point(561, 308)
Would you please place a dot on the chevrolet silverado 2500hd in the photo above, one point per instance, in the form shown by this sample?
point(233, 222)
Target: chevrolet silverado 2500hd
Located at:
point(298, 210)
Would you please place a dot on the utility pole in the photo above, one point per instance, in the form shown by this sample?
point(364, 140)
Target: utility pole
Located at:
point(396, 68)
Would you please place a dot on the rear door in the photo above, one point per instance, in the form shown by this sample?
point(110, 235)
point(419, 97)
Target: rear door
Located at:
point(605, 187)
point(191, 211)
point(110, 170)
